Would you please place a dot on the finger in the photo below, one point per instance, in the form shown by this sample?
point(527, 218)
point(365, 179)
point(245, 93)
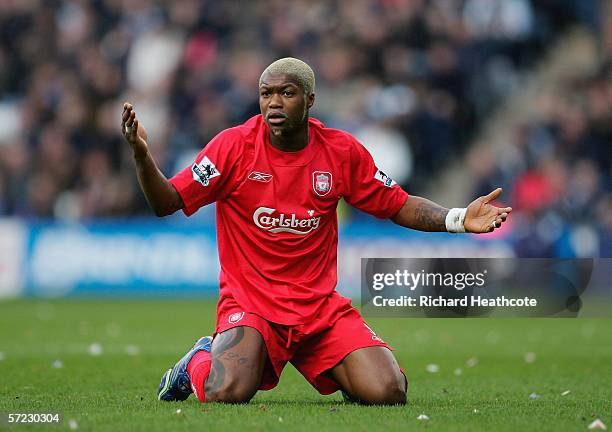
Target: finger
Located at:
point(495, 224)
point(130, 120)
point(503, 216)
point(126, 114)
point(128, 127)
point(493, 195)
point(132, 129)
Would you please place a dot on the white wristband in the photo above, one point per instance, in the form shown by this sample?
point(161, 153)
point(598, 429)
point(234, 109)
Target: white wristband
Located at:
point(454, 220)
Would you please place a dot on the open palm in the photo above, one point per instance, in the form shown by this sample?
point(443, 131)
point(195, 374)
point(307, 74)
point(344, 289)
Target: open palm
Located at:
point(133, 132)
point(482, 217)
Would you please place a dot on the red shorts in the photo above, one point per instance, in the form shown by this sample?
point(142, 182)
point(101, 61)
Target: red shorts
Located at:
point(312, 348)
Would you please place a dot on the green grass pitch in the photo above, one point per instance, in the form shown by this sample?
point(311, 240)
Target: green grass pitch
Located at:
point(46, 366)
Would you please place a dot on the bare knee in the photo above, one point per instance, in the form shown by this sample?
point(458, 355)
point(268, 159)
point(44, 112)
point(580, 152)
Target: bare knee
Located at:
point(230, 385)
point(238, 357)
point(393, 392)
point(230, 392)
point(387, 389)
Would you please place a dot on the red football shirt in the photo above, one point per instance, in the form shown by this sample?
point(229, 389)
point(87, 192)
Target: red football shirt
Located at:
point(277, 228)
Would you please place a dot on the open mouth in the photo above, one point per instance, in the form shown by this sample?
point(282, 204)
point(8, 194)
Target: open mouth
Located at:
point(276, 119)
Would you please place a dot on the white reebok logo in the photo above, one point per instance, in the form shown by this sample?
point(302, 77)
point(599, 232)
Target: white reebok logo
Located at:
point(260, 177)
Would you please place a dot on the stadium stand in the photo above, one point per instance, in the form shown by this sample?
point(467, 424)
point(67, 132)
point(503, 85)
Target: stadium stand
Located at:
point(415, 80)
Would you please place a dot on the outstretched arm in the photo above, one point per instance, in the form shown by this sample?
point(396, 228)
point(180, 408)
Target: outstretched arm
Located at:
point(160, 194)
point(479, 217)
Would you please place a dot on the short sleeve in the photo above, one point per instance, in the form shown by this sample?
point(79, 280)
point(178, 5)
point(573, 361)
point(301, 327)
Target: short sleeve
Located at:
point(370, 189)
point(213, 175)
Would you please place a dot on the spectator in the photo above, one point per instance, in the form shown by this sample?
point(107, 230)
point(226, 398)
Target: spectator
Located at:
point(414, 78)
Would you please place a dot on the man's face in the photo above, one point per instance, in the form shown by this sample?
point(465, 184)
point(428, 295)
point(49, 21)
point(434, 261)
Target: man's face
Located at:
point(283, 103)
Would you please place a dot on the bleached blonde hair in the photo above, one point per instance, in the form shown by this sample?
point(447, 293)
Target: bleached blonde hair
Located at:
point(294, 67)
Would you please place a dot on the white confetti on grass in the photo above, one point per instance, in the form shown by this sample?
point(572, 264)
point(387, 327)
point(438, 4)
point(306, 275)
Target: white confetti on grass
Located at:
point(529, 357)
point(471, 362)
point(534, 395)
point(178, 411)
point(95, 349)
point(423, 417)
point(280, 419)
point(57, 364)
point(432, 368)
point(2, 356)
point(597, 424)
point(565, 393)
point(476, 411)
point(458, 372)
point(73, 424)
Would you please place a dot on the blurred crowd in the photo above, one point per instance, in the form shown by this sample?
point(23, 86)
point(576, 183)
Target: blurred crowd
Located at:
point(412, 79)
point(558, 166)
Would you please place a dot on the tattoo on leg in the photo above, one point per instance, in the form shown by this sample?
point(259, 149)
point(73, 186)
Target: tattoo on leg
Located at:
point(430, 217)
point(215, 378)
point(240, 361)
point(227, 340)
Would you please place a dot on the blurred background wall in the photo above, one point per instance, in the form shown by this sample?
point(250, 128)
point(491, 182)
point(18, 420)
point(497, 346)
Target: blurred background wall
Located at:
point(452, 97)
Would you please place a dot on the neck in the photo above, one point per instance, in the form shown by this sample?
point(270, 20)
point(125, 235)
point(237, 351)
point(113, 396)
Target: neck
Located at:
point(291, 141)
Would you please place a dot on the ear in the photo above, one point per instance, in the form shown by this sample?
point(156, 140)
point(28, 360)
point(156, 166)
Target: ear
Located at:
point(310, 100)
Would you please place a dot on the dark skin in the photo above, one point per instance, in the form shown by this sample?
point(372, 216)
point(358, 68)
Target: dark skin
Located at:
point(237, 363)
point(282, 96)
point(160, 194)
point(369, 375)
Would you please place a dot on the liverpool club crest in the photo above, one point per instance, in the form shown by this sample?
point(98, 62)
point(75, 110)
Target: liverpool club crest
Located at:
point(321, 182)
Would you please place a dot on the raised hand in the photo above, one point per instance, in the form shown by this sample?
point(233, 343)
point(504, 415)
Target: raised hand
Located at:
point(482, 217)
point(133, 132)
